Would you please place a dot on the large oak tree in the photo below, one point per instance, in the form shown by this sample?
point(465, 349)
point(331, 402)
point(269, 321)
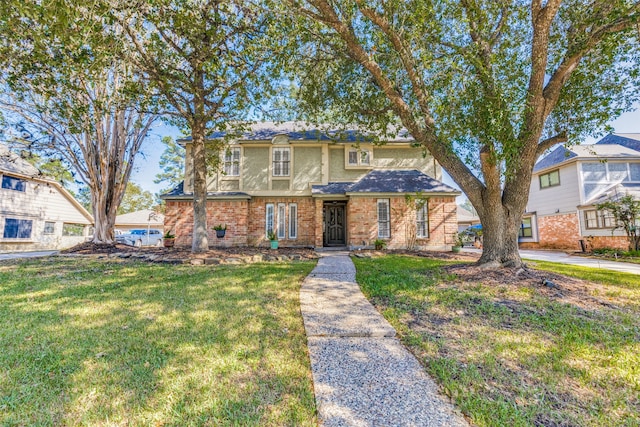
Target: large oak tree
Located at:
point(206, 60)
point(485, 86)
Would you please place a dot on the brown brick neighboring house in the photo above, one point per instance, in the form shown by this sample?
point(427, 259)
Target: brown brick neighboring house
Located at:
point(316, 190)
point(567, 185)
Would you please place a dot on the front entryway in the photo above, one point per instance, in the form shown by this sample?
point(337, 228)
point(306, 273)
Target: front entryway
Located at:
point(334, 224)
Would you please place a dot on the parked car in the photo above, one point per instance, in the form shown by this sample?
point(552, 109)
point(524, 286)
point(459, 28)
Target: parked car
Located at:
point(140, 237)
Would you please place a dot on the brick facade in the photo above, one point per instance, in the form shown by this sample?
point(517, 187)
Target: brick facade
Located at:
point(563, 232)
point(245, 221)
point(362, 223)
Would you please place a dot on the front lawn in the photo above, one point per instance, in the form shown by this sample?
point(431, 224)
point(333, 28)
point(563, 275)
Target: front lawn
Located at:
point(511, 351)
point(119, 343)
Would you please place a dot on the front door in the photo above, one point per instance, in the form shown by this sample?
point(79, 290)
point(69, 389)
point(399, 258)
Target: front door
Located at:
point(334, 234)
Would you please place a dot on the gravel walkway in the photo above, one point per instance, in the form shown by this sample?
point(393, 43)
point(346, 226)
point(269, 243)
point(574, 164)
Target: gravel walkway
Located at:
point(362, 374)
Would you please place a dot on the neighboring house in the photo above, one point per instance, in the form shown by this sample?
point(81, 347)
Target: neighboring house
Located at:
point(143, 219)
point(36, 213)
point(568, 184)
point(466, 219)
point(314, 190)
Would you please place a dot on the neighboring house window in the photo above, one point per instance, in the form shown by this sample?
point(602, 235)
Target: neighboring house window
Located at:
point(550, 179)
point(72, 229)
point(293, 221)
point(598, 219)
point(268, 222)
point(422, 221)
point(599, 176)
point(17, 228)
point(282, 221)
point(384, 220)
point(49, 227)
point(11, 183)
point(232, 162)
point(281, 161)
point(359, 157)
point(525, 228)
point(634, 171)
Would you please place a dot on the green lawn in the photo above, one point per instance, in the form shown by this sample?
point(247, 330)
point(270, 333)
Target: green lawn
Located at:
point(513, 354)
point(103, 343)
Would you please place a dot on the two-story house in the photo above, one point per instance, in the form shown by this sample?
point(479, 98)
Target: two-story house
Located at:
point(315, 190)
point(567, 185)
point(36, 213)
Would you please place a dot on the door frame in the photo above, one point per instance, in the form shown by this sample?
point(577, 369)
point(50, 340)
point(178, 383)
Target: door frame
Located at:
point(325, 235)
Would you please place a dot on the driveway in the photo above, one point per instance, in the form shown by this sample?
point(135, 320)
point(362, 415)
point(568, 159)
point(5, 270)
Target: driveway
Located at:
point(564, 258)
point(15, 255)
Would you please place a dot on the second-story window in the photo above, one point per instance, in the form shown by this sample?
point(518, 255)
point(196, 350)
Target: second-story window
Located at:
point(12, 183)
point(281, 161)
point(232, 162)
point(358, 157)
point(550, 179)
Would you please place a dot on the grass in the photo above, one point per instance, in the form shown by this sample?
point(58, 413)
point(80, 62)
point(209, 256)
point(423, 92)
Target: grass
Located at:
point(513, 355)
point(102, 343)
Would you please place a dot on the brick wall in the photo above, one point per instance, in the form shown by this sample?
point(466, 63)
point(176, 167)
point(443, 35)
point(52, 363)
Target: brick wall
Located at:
point(232, 213)
point(556, 232)
point(245, 221)
point(306, 221)
point(362, 222)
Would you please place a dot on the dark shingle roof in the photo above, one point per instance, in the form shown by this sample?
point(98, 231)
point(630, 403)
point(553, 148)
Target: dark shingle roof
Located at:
point(613, 138)
point(557, 156)
point(331, 188)
point(399, 181)
point(300, 131)
point(387, 181)
point(178, 192)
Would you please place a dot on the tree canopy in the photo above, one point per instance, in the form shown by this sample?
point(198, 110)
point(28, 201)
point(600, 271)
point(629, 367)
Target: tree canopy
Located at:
point(485, 86)
point(63, 76)
point(208, 63)
point(171, 164)
point(135, 199)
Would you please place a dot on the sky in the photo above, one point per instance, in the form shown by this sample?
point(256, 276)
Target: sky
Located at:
point(147, 164)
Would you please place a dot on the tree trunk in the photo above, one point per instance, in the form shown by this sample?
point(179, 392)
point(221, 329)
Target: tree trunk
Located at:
point(200, 238)
point(500, 238)
point(104, 217)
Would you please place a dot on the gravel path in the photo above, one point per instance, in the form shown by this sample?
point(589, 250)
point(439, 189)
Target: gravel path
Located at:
point(362, 374)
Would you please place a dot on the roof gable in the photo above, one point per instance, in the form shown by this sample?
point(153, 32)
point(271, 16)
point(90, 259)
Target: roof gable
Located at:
point(629, 140)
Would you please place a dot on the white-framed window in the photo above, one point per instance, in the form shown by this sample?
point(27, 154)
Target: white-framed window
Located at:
point(594, 219)
point(597, 177)
point(17, 228)
point(293, 221)
point(422, 221)
point(269, 225)
point(49, 227)
point(550, 179)
point(281, 164)
point(384, 219)
point(231, 161)
point(13, 183)
point(358, 157)
point(282, 220)
point(526, 230)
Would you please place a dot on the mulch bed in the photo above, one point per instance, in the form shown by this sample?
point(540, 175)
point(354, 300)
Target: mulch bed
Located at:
point(89, 248)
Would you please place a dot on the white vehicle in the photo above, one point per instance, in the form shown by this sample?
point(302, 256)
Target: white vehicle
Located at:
point(140, 238)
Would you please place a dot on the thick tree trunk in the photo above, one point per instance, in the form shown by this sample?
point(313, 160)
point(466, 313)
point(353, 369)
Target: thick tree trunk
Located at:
point(104, 217)
point(200, 238)
point(500, 238)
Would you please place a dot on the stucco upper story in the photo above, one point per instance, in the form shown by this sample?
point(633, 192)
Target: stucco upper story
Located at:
point(288, 159)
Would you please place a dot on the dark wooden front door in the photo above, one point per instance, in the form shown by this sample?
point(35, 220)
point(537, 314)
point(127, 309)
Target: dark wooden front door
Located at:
point(334, 234)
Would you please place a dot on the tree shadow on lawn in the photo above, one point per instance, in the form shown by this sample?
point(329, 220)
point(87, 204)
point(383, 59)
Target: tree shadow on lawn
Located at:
point(512, 352)
point(91, 342)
